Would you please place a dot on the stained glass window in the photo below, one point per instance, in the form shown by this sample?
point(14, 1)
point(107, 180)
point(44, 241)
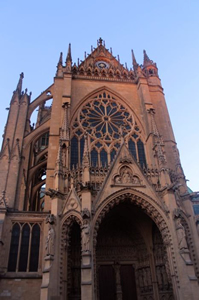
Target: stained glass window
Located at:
point(34, 253)
point(14, 247)
point(24, 248)
point(24, 255)
point(141, 154)
point(106, 120)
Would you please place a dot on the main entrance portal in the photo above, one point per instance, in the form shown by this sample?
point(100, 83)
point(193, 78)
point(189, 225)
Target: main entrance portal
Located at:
point(131, 258)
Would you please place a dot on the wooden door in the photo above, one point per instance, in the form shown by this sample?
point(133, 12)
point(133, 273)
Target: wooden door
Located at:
point(107, 285)
point(128, 282)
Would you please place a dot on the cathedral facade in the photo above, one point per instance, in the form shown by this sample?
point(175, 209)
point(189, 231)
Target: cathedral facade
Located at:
point(94, 203)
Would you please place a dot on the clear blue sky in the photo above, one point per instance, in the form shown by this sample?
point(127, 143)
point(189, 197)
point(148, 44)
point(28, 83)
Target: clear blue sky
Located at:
point(33, 33)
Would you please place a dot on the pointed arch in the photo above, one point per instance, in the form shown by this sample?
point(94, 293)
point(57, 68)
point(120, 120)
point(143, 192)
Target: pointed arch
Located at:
point(149, 207)
point(114, 93)
point(106, 118)
point(67, 222)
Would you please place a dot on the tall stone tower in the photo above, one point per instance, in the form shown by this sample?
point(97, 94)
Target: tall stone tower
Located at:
point(94, 203)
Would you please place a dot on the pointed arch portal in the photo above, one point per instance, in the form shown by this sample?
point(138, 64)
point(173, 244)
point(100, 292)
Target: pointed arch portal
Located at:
point(130, 254)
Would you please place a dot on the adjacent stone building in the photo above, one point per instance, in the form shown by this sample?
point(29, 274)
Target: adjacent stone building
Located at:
point(94, 202)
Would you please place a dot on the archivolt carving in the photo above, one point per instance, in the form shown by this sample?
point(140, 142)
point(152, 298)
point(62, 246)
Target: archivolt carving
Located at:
point(65, 231)
point(144, 205)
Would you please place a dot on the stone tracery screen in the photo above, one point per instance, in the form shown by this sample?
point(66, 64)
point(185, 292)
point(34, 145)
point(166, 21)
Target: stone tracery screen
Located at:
point(105, 120)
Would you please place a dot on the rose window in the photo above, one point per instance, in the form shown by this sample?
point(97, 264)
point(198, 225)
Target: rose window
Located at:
point(106, 121)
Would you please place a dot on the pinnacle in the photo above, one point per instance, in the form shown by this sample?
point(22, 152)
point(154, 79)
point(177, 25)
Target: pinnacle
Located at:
point(19, 85)
point(69, 56)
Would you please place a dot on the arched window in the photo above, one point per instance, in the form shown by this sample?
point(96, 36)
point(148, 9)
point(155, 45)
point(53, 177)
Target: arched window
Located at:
point(24, 248)
point(14, 247)
point(74, 151)
point(34, 252)
point(106, 121)
point(113, 153)
point(23, 259)
point(132, 148)
point(141, 154)
point(94, 158)
point(103, 158)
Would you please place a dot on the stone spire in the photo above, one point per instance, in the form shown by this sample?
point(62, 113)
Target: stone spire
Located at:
point(19, 85)
point(60, 62)
point(69, 59)
point(134, 62)
point(59, 72)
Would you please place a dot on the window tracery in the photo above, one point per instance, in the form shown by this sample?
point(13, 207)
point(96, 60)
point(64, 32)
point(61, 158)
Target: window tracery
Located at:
point(106, 120)
point(24, 247)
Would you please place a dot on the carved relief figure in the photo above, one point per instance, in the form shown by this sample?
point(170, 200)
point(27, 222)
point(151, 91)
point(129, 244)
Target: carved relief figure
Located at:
point(126, 178)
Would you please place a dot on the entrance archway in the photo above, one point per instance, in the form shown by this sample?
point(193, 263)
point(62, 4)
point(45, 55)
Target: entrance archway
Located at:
point(131, 259)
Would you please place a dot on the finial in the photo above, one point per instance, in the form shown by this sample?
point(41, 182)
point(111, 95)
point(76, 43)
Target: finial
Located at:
point(60, 62)
point(69, 59)
point(134, 62)
point(111, 50)
point(19, 85)
point(85, 55)
point(118, 58)
point(100, 41)
point(69, 56)
point(91, 48)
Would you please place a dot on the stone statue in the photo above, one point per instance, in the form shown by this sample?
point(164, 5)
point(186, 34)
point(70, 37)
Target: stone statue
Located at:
point(50, 241)
point(49, 247)
point(85, 237)
point(182, 243)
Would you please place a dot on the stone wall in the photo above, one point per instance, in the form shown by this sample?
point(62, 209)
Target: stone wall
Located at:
point(20, 289)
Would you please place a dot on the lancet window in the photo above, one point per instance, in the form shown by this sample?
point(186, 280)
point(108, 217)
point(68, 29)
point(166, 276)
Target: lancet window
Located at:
point(24, 248)
point(106, 121)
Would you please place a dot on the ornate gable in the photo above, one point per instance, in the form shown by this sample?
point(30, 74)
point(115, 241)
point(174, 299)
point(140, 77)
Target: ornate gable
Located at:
point(125, 173)
point(101, 63)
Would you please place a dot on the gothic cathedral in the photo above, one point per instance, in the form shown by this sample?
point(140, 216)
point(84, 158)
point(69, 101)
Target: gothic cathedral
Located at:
point(94, 203)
